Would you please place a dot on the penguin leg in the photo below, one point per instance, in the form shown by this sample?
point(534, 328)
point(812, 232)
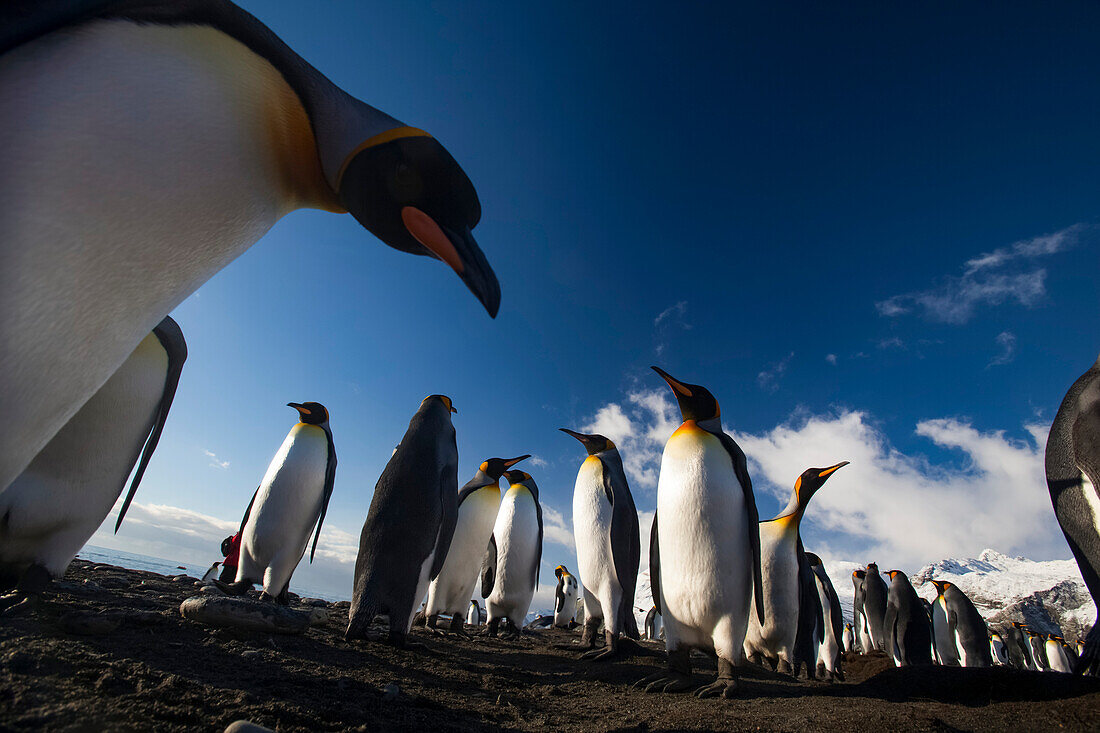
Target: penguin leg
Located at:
point(588, 636)
point(34, 581)
point(784, 667)
point(431, 621)
point(677, 678)
point(511, 631)
point(610, 648)
point(458, 625)
point(726, 684)
point(492, 626)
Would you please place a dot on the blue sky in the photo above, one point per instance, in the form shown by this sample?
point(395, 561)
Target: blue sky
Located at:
point(871, 232)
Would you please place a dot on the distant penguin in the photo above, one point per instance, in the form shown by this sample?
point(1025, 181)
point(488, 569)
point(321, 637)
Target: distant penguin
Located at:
point(874, 607)
point(1037, 645)
point(211, 573)
point(51, 510)
point(964, 629)
point(478, 502)
point(292, 498)
point(908, 636)
point(473, 614)
point(1057, 659)
point(997, 649)
point(565, 598)
point(207, 129)
point(409, 525)
point(605, 528)
point(517, 547)
point(1071, 652)
point(930, 612)
point(859, 619)
point(1018, 646)
point(790, 594)
point(1080, 649)
point(849, 638)
point(831, 649)
point(704, 549)
point(1073, 478)
point(653, 625)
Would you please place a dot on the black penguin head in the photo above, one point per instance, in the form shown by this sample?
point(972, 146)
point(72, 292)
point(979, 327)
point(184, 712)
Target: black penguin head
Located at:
point(311, 413)
point(405, 188)
point(494, 468)
point(859, 574)
point(812, 479)
point(523, 478)
point(941, 586)
point(441, 398)
point(696, 402)
point(560, 571)
point(892, 573)
point(592, 443)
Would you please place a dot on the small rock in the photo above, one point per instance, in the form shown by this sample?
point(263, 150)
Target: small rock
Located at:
point(182, 579)
point(242, 613)
point(317, 616)
point(251, 653)
point(210, 590)
point(88, 624)
point(314, 602)
point(390, 692)
point(246, 726)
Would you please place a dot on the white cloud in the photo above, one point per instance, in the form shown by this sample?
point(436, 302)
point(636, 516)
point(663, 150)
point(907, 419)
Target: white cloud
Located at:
point(831, 358)
point(215, 462)
point(891, 343)
point(992, 278)
point(640, 439)
point(556, 529)
point(1006, 340)
point(768, 379)
point(673, 313)
point(537, 461)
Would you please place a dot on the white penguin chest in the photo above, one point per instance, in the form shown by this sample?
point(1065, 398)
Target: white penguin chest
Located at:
point(592, 513)
point(295, 479)
point(476, 516)
point(516, 533)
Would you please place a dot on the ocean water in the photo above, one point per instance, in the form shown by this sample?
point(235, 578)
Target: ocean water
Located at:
point(134, 561)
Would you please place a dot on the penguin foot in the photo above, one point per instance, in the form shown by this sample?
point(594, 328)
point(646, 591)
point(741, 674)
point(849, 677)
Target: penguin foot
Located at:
point(600, 655)
point(238, 588)
point(670, 682)
point(784, 667)
point(721, 687)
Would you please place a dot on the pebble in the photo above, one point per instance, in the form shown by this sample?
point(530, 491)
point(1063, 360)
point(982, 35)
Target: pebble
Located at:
point(314, 602)
point(390, 692)
point(210, 590)
point(244, 614)
point(251, 653)
point(182, 579)
point(246, 726)
point(317, 616)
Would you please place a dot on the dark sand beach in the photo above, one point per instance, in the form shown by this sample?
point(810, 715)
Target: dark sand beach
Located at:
point(109, 650)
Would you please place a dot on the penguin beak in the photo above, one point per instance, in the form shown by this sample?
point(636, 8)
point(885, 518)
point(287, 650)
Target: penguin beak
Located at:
point(460, 251)
point(514, 461)
point(301, 409)
point(676, 386)
point(827, 471)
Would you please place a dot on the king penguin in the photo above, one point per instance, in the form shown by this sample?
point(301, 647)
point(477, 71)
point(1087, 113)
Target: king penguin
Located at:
point(51, 510)
point(478, 502)
point(409, 525)
point(1073, 478)
point(291, 499)
point(907, 634)
point(516, 546)
point(1037, 645)
point(830, 653)
point(653, 627)
point(960, 627)
point(565, 598)
point(997, 650)
point(859, 619)
point(1056, 655)
point(605, 527)
point(473, 614)
point(849, 638)
point(789, 589)
point(874, 608)
point(704, 551)
point(1019, 649)
point(149, 144)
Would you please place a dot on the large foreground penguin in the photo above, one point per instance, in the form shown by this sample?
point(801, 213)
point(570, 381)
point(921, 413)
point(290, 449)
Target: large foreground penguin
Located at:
point(516, 551)
point(959, 627)
point(145, 145)
point(292, 498)
point(478, 503)
point(704, 546)
point(409, 525)
point(54, 506)
point(1073, 478)
point(605, 527)
point(790, 595)
point(907, 633)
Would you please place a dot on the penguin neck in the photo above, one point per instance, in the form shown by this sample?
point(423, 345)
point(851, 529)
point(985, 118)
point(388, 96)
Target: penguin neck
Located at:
point(483, 480)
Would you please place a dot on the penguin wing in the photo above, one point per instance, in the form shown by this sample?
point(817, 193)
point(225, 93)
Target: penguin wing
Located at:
point(655, 565)
point(538, 550)
point(559, 599)
point(741, 470)
point(889, 628)
point(489, 567)
point(626, 546)
point(171, 338)
point(448, 517)
point(835, 614)
point(330, 480)
point(248, 510)
point(809, 614)
point(1086, 444)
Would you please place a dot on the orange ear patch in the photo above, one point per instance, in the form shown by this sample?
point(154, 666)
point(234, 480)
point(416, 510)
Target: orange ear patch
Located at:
point(427, 232)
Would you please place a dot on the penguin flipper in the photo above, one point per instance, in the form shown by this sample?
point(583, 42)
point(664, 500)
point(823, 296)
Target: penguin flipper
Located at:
point(741, 470)
point(655, 565)
point(248, 511)
point(489, 567)
point(448, 518)
point(559, 599)
point(330, 481)
point(538, 552)
point(890, 626)
point(809, 613)
point(626, 546)
point(171, 338)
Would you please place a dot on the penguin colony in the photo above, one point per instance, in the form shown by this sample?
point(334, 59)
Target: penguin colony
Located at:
point(77, 359)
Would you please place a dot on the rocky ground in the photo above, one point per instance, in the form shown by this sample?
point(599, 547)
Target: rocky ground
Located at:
point(109, 650)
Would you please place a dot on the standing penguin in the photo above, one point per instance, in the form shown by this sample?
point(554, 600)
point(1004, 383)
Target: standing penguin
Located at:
point(849, 638)
point(1056, 655)
point(1037, 645)
point(409, 524)
point(997, 650)
point(1073, 478)
point(859, 619)
point(516, 545)
point(789, 589)
point(565, 598)
point(59, 501)
point(478, 502)
point(959, 626)
point(291, 499)
point(205, 130)
point(831, 648)
point(704, 550)
point(1019, 649)
point(874, 608)
point(605, 527)
point(653, 625)
point(473, 614)
point(908, 636)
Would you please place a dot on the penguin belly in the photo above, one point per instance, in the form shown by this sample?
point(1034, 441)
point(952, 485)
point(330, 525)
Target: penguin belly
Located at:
point(473, 615)
point(829, 649)
point(1057, 658)
point(592, 530)
point(138, 161)
point(453, 588)
point(947, 650)
point(516, 532)
point(848, 639)
point(998, 652)
point(54, 506)
point(286, 509)
point(564, 616)
point(705, 555)
point(779, 576)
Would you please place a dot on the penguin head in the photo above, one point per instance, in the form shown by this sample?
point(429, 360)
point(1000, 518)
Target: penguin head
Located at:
point(494, 468)
point(696, 402)
point(941, 586)
point(523, 479)
point(859, 574)
point(592, 443)
point(892, 573)
point(311, 413)
point(812, 559)
point(560, 571)
point(437, 397)
point(812, 479)
point(408, 191)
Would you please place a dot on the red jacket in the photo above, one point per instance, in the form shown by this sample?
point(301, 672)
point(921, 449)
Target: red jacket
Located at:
point(234, 555)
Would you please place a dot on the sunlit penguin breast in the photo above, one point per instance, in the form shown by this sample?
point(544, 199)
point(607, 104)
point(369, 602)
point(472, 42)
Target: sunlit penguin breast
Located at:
point(456, 580)
point(592, 530)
